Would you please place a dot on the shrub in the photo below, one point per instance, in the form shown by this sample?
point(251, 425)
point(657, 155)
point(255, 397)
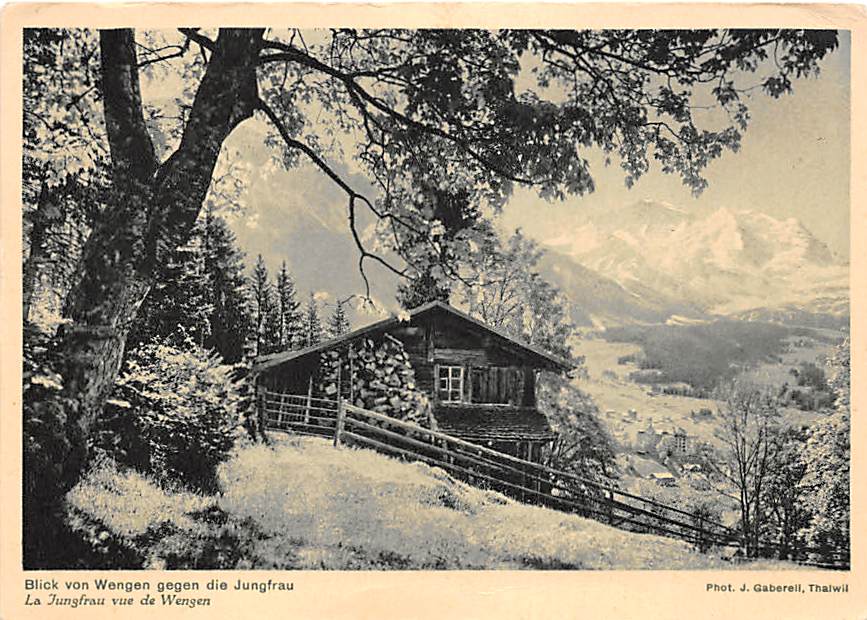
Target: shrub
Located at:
point(175, 413)
point(54, 449)
point(584, 446)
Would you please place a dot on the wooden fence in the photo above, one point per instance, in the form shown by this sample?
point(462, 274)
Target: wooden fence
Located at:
point(486, 468)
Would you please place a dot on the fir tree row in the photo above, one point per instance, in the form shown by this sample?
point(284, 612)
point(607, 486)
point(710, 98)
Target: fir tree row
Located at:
point(203, 295)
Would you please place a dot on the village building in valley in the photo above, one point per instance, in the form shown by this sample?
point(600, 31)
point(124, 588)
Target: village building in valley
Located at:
point(680, 443)
point(481, 381)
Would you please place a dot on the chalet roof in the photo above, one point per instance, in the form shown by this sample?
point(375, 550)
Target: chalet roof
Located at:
point(646, 467)
point(547, 360)
point(662, 475)
point(494, 423)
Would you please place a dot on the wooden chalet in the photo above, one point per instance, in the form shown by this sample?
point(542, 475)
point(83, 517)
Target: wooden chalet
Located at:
point(481, 381)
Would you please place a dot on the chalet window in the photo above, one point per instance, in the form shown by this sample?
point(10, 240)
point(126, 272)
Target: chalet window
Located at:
point(451, 383)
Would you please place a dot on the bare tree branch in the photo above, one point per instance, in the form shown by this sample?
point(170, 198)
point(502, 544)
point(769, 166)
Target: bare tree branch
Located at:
point(353, 195)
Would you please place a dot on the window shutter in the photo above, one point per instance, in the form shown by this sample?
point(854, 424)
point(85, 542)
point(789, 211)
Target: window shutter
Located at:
point(518, 394)
point(501, 385)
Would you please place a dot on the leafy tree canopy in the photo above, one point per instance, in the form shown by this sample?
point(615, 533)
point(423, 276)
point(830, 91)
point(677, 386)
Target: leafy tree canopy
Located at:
point(439, 117)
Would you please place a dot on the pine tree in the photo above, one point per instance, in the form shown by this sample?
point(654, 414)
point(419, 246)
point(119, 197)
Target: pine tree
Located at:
point(338, 324)
point(262, 296)
point(312, 323)
point(201, 294)
point(231, 320)
point(272, 324)
point(290, 322)
point(179, 306)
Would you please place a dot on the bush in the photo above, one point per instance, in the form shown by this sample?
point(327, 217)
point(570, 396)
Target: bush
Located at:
point(584, 446)
point(54, 450)
point(175, 414)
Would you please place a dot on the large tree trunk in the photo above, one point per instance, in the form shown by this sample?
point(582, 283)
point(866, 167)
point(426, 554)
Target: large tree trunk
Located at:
point(151, 212)
point(155, 206)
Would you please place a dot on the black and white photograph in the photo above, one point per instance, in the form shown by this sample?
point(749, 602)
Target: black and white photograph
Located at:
point(435, 299)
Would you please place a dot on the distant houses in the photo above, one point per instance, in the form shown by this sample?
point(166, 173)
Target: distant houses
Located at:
point(663, 478)
point(648, 469)
point(675, 439)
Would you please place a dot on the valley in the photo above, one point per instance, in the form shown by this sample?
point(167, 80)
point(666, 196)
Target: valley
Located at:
point(628, 409)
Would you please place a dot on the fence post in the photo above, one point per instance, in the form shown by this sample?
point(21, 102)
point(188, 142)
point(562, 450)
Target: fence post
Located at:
point(351, 375)
point(610, 507)
point(260, 408)
point(701, 544)
point(309, 400)
point(341, 414)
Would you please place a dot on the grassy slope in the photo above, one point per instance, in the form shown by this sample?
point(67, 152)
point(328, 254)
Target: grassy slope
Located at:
point(304, 504)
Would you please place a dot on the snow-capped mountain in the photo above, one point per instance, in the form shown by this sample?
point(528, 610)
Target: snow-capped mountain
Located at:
point(684, 263)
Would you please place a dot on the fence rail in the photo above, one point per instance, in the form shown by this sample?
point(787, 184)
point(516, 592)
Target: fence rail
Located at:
point(481, 466)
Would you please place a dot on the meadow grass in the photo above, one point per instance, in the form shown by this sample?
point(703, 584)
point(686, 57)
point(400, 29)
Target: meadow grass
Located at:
point(300, 503)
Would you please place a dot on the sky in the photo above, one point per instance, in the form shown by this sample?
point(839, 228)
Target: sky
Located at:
point(794, 162)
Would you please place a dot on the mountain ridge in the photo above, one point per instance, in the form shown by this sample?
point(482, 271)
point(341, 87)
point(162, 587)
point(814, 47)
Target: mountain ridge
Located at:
point(655, 261)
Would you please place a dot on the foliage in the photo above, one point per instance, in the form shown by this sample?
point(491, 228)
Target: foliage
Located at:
point(452, 105)
point(312, 328)
point(230, 322)
point(338, 323)
point(808, 374)
point(279, 323)
point(826, 483)
point(783, 495)
point(65, 184)
point(266, 310)
point(290, 319)
point(174, 414)
point(826, 456)
point(583, 445)
point(792, 483)
point(508, 292)
point(177, 307)
point(376, 376)
point(840, 375)
point(49, 439)
point(63, 128)
point(56, 227)
point(199, 294)
point(813, 392)
point(421, 289)
point(747, 422)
